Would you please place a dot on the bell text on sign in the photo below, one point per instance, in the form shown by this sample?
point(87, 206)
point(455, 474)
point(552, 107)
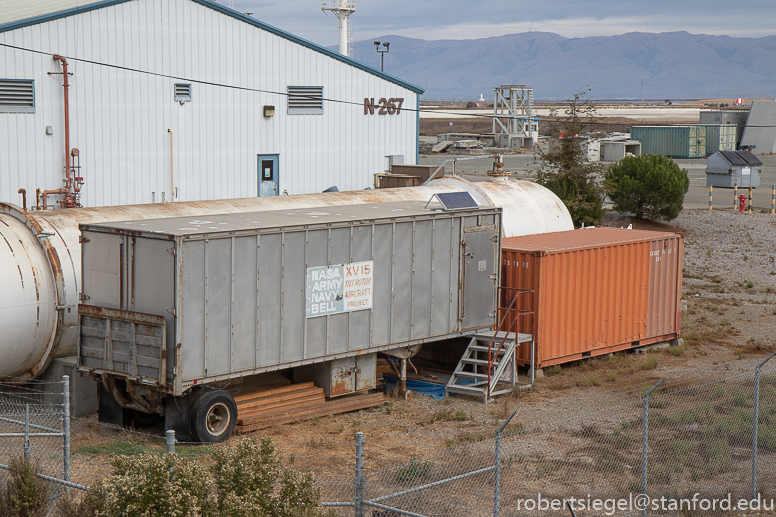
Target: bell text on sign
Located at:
point(339, 288)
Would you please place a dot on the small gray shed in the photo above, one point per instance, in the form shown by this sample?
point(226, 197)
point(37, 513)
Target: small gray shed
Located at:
point(731, 168)
point(616, 150)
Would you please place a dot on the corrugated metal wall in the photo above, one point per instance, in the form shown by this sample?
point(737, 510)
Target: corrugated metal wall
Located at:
point(120, 118)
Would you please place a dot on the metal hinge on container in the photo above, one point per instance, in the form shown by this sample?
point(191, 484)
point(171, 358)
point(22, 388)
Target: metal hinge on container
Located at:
point(83, 239)
point(172, 251)
point(493, 276)
point(172, 311)
point(83, 297)
point(494, 238)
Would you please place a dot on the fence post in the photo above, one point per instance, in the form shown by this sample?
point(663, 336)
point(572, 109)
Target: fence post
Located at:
point(497, 468)
point(26, 431)
point(170, 439)
point(644, 441)
point(754, 426)
point(773, 199)
point(359, 510)
point(66, 428)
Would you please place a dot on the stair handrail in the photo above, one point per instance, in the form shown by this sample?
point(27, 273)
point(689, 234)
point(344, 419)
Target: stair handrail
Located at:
point(512, 326)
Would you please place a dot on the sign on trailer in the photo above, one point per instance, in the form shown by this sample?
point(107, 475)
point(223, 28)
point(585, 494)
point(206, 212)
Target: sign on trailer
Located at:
point(339, 288)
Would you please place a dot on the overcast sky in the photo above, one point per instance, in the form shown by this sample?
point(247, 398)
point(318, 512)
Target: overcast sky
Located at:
point(459, 19)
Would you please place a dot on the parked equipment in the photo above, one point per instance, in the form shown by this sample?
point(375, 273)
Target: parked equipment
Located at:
point(40, 256)
point(174, 309)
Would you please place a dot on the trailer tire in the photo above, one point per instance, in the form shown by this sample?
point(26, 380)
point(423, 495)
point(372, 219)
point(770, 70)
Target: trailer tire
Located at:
point(215, 416)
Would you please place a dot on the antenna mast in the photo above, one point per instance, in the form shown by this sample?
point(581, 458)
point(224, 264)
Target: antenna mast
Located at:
point(341, 9)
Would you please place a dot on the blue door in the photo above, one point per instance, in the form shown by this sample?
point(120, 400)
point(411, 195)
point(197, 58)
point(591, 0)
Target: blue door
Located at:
point(268, 175)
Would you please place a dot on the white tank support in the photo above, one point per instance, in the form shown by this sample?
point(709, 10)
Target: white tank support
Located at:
point(40, 253)
point(341, 9)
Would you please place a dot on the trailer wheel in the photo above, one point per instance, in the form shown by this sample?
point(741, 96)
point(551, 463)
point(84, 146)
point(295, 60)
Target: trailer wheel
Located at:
point(215, 416)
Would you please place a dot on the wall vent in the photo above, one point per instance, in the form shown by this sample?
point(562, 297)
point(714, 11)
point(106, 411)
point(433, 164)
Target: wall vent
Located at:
point(305, 100)
point(17, 96)
point(182, 92)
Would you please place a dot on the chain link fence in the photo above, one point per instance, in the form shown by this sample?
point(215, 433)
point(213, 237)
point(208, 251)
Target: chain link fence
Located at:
point(703, 447)
point(687, 443)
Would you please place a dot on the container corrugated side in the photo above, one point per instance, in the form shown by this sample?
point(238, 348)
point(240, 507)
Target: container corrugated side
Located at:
point(673, 141)
point(720, 138)
point(595, 299)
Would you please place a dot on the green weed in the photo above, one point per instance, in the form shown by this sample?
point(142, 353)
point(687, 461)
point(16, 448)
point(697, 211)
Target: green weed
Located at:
point(415, 469)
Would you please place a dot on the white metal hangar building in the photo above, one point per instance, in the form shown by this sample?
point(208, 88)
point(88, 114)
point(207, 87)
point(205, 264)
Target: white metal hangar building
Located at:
point(183, 100)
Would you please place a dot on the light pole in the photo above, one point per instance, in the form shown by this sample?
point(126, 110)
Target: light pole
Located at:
point(382, 52)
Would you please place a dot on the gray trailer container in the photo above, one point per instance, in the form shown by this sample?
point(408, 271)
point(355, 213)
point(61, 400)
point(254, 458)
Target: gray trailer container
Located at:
point(171, 305)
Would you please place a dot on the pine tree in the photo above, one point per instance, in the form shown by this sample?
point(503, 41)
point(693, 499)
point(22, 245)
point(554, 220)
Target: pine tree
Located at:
point(649, 186)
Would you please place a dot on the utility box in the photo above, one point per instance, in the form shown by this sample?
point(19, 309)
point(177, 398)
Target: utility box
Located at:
point(729, 169)
point(176, 303)
point(341, 376)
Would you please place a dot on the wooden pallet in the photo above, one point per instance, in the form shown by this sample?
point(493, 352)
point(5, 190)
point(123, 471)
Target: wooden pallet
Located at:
point(284, 412)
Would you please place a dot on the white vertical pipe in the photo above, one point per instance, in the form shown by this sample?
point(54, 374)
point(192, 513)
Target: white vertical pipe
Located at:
point(343, 31)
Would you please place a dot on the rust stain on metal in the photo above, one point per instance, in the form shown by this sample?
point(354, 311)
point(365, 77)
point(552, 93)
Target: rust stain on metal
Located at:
point(24, 198)
point(119, 314)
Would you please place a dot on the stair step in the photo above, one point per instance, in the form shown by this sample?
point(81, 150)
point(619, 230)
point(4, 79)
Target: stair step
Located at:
point(484, 348)
point(465, 390)
point(471, 375)
point(475, 361)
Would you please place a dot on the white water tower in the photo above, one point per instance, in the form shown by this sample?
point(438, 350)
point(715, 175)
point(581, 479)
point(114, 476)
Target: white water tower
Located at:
point(341, 9)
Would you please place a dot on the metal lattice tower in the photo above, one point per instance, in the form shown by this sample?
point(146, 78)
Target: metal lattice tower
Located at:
point(341, 9)
point(513, 116)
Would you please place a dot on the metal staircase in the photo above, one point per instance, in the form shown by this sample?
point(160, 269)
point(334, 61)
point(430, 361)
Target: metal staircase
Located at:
point(490, 357)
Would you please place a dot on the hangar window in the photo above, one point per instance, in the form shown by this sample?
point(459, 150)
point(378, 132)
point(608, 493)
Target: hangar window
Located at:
point(305, 100)
point(17, 96)
point(182, 92)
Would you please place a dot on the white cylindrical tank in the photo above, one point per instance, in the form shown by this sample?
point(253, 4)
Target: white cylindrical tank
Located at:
point(528, 208)
point(40, 255)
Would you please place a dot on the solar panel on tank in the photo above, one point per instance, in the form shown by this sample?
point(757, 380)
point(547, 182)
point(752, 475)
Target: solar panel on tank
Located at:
point(456, 200)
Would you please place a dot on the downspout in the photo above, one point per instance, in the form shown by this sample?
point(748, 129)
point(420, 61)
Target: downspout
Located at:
point(172, 170)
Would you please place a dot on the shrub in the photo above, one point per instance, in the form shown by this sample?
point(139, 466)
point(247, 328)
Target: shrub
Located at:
point(151, 484)
point(250, 480)
point(552, 370)
point(25, 494)
point(650, 186)
point(79, 504)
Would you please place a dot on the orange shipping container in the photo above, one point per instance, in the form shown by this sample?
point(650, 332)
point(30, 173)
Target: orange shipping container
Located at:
point(596, 290)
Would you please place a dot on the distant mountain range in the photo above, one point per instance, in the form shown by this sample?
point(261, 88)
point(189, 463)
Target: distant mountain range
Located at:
point(675, 65)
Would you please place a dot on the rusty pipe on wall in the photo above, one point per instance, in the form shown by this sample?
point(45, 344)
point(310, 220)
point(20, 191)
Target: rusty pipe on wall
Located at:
point(69, 199)
point(24, 198)
point(43, 196)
